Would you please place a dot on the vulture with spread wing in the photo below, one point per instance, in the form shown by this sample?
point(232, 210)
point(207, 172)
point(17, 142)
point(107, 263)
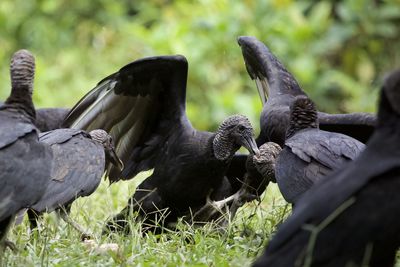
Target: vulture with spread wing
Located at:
point(142, 106)
point(278, 88)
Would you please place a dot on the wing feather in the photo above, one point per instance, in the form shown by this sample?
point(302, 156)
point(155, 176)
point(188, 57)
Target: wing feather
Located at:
point(143, 101)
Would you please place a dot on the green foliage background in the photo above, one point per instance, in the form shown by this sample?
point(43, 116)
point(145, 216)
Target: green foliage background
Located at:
point(338, 50)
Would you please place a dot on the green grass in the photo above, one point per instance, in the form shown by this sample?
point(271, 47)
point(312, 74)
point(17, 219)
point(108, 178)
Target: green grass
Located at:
point(57, 244)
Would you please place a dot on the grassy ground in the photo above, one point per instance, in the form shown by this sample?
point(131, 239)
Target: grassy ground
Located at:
point(57, 244)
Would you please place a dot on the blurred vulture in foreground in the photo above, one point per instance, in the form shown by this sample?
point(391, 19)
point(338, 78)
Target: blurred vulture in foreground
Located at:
point(350, 219)
point(310, 154)
point(22, 177)
point(278, 88)
point(78, 163)
point(142, 106)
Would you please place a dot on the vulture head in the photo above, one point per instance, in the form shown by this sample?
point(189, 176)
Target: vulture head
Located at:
point(265, 161)
point(106, 141)
point(234, 132)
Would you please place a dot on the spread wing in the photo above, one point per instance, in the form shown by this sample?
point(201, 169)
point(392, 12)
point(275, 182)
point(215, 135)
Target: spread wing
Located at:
point(270, 75)
point(138, 106)
point(274, 81)
point(77, 168)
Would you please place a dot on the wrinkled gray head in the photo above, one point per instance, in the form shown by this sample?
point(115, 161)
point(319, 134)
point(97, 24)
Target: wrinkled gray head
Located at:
point(106, 141)
point(22, 69)
point(391, 88)
point(265, 161)
point(234, 132)
point(303, 114)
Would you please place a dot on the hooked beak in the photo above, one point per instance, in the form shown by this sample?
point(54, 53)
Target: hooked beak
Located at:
point(250, 144)
point(114, 159)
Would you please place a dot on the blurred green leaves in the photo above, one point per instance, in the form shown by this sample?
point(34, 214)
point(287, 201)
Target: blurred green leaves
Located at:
point(338, 50)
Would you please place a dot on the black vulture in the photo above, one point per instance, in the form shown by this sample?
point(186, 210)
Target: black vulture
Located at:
point(77, 165)
point(350, 219)
point(277, 88)
point(22, 177)
point(310, 154)
point(142, 106)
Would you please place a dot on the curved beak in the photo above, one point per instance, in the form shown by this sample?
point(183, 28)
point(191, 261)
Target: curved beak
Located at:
point(250, 144)
point(114, 159)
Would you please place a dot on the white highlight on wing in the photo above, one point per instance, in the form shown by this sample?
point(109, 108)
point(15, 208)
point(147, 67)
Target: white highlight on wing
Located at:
point(94, 109)
point(263, 89)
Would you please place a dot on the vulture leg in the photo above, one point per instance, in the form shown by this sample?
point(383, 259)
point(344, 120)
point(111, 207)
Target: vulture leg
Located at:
point(64, 214)
point(33, 218)
point(213, 210)
point(4, 242)
point(241, 197)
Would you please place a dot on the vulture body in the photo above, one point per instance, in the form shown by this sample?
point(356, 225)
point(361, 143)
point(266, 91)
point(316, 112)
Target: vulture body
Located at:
point(142, 106)
point(352, 217)
point(77, 165)
point(23, 178)
point(310, 154)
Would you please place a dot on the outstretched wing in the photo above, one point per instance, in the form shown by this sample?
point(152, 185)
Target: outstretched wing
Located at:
point(270, 75)
point(76, 169)
point(273, 79)
point(137, 106)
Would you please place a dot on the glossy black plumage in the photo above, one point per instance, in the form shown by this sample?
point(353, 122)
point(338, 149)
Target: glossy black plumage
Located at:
point(77, 165)
point(356, 210)
point(23, 175)
point(143, 107)
point(76, 168)
point(310, 154)
point(277, 88)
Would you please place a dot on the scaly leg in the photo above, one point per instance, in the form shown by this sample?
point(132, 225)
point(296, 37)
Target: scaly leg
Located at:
point(84, 235)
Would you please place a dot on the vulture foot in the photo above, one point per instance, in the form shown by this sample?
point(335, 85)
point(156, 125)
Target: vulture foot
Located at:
point(76, 226)
point(213, 210)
